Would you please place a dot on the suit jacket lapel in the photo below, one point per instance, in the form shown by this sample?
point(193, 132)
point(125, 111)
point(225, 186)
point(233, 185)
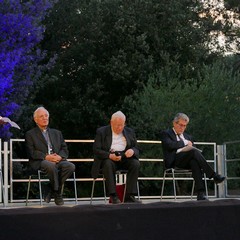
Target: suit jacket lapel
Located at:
point(127, 137)
point(40, 135)
point(173, 135)
point(108, 137)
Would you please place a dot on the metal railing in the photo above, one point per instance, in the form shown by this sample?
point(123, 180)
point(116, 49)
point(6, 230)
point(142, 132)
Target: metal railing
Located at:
point(15, 159)
point(231, 154)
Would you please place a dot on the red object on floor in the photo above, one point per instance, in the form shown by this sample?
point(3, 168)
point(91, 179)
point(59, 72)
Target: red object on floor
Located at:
point(120, 192)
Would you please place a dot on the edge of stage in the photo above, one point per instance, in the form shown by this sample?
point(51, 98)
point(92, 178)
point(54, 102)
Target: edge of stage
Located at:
point(215, 219)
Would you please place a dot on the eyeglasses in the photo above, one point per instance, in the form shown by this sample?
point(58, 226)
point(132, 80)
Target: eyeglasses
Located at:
point(181, 125)
point(43, 116)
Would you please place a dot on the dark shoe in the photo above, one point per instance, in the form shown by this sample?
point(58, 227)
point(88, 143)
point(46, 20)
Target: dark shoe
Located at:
point(218, 178)
point(114, 200)
point(131, 199)
point(58, 199)
point(47, 197)
point(201, 196)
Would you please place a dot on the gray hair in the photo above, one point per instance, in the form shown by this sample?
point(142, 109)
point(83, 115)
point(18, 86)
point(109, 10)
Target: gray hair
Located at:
point(182, 116)
point(118, 114)
point(39, 108)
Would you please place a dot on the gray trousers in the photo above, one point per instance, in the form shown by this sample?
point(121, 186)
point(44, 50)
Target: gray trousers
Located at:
point(57, 172)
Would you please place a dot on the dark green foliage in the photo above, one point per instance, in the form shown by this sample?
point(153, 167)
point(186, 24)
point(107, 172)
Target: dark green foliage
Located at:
point(108, 49)
point(149, 59)
point(212, 105)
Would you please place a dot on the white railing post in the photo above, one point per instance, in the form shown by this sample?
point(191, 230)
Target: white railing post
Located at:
point(1, 200)
point(220, 170)
point(5, 161)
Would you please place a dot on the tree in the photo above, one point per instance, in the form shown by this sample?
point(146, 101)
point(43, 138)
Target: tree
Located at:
point(108, 49)
point(212, 106)
point(233, 5)
point(20, 57)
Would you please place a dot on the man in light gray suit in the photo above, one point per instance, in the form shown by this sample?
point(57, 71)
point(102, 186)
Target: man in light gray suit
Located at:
point(47, 151)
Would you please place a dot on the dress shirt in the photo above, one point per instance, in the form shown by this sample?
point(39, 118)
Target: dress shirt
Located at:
point(119, 142)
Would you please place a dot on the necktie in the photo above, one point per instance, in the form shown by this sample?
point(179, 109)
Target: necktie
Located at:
point(180, 138)
point(46, 136)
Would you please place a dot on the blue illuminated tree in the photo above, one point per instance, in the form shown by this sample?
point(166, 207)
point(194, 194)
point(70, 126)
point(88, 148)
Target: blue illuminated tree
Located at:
point(21, 61)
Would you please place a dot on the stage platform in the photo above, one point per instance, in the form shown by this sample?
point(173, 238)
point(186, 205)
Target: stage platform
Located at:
point(217, 219)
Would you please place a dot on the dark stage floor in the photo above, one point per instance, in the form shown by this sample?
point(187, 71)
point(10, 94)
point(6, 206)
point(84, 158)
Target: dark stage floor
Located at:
point(195, 220)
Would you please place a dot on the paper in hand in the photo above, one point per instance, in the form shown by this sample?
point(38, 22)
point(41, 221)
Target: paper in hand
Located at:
point(188, 148)
point(4, 120)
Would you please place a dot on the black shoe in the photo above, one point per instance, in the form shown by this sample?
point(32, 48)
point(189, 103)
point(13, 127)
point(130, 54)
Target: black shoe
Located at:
point(218, 178)
point(201, 196)
point(47, 193)
point(131, 199)
point(114, 200)
point(58, 199)
point(47, 197)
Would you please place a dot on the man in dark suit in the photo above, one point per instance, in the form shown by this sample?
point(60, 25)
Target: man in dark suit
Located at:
point(47, 151)
point(173, 142)
point(115, 147)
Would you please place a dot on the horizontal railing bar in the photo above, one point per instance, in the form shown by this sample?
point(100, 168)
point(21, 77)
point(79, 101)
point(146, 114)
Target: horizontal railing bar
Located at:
point(232, 160)
point(231, 142)
point(233, 178)
point(101, 179)
point(92, 140)
point(79, 141)
point(91, 160)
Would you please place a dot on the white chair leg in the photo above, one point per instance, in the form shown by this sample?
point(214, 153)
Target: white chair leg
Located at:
point(193, 186)
point(205, 181)
point(28, 189)
point(124, 192)
point(138, 191)
point(125, 188)
point(104, 190)
point(75, 187)
point(174, 185)
point(40, 187)
point(163, 183)
point(93, 186)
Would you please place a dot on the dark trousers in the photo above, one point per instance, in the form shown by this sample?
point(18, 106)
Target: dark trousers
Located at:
point(110, 167)
point(57, 172)
point(195, 161)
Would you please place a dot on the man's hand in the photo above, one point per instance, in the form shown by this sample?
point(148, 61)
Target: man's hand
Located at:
point(129, 153)
point(53, 158)
point(115, 158)
point(1, 121)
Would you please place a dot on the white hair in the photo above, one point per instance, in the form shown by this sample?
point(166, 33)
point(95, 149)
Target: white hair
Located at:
point(182, 116)
point(39, 108)
point(118, 114)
